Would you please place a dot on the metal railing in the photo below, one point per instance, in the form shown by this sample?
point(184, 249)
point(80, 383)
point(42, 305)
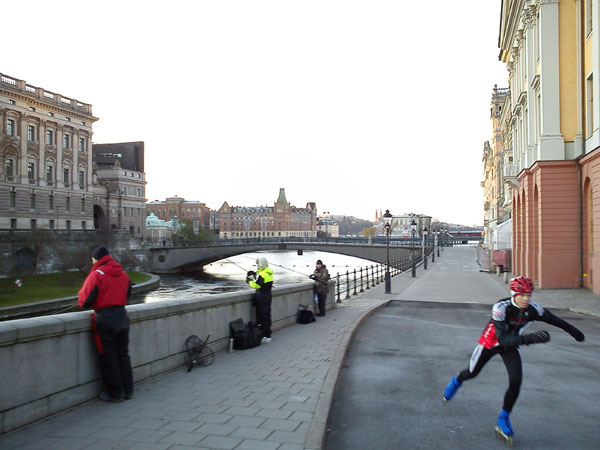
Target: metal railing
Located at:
point(359, 280)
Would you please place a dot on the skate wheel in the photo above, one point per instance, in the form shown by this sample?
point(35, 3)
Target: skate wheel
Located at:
point(508, 440)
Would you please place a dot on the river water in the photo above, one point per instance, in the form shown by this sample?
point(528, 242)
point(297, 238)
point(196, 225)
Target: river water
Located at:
point(228, 275)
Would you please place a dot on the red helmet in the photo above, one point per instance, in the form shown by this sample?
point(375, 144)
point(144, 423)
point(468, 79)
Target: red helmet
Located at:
point(521, 285)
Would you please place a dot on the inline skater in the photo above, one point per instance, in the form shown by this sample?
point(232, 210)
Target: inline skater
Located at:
point(503, 336)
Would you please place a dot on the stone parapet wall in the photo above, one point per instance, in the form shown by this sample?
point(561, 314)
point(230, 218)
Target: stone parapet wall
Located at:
point(49, 363)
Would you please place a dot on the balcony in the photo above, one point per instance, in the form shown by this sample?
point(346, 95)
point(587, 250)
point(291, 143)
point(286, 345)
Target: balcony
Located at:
point(509, 175)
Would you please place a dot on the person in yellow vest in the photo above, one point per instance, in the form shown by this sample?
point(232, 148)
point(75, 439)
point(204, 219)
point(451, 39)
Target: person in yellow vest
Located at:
point(262, 281)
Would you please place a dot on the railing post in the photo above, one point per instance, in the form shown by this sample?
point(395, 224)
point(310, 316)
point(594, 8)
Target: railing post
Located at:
point(338, 288)
point(372, 276)
point(367, 270)
point(361, 281)
point(413, 266)
point(347, 285)
point(355, 293)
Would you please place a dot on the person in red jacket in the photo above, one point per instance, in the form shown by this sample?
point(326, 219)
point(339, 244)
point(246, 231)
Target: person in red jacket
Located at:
point(106, 289)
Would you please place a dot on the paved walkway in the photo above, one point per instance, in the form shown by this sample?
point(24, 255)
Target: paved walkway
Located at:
point(276, 396)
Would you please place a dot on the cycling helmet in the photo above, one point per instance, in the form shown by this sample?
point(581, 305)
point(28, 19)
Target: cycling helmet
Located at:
point(521, 285)
point(261, 263)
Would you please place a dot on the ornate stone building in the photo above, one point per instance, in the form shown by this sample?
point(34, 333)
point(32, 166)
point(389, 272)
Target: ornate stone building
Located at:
point(497, 160)
point(277, 221)
point(52, 177)
point(45, 159)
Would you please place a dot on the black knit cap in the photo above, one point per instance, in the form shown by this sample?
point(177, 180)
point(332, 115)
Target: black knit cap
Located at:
point(319, 262)
point(99, 253)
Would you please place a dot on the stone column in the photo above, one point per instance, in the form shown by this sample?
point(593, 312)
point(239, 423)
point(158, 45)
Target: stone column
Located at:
point(42, 147)
point(551, 141)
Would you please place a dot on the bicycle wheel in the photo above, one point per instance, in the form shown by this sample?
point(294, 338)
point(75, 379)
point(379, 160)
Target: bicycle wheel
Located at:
point(206, 356)
point(193, 347)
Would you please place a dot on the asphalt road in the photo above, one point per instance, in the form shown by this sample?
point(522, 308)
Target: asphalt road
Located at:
point(389, 393)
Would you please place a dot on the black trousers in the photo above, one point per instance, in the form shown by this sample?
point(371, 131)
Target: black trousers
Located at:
point(263, 313)
point(112, 341)
point(322, 297)
point(512, 361)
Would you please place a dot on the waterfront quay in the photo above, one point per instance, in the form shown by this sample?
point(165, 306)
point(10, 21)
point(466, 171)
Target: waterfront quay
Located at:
point(279, 395)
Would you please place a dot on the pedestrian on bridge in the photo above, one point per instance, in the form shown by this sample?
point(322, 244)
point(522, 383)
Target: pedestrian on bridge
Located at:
point(502, 336)
point(263, 283)
point(321, 278)
point(107, 289)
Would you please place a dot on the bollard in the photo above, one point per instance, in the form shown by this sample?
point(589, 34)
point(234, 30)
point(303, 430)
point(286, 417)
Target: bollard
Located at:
point(506, 277)
point(414, 268)
point(425, 263)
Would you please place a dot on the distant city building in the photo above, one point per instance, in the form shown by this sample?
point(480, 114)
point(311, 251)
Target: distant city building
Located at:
point(401, 224)
point(326, 226)
point(180, 208)
point(158, 231)
point(280, 220)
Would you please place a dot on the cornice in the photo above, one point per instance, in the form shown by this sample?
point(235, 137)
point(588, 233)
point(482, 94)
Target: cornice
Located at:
point(49, 105)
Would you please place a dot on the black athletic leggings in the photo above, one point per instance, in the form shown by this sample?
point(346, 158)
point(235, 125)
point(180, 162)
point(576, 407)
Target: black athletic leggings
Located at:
point(512, 360)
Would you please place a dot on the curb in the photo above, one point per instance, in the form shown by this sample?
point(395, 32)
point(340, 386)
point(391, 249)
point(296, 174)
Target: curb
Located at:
point(318, 427)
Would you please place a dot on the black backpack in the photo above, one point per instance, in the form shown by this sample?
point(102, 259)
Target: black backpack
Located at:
point(244, 335)
point(305, 314)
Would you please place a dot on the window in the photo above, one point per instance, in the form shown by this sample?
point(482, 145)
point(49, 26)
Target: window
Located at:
point(31, 201)
point(66, 177)
point(66, 141)
point(31, 108)
point(10, 168)
point(30, 133)
point(139, 192)
point(51, 224)
point(33, 223)
point(49, 137)
point(10, 127)
point(68, 203)
point(51, 114)
point(11, 102)
point(82, 204)
point(81, 178)
point(51, 201)
point(124, 190)
point(13, 224)
point(30, 171)
point(68, 119)
point(83, 225)
point(68, 224)
point(13, 199)
point(82, 144)
point(49, 174)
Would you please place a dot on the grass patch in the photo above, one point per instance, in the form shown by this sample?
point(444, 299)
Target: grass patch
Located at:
point(49, 286)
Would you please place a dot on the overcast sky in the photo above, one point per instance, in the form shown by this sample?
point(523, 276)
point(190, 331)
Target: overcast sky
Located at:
point(355, 105)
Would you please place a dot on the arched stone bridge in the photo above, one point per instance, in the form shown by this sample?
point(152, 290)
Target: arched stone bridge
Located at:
point(188, 259)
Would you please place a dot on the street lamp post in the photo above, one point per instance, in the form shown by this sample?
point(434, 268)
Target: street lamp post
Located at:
point(387, 217)
point(424, 237)
point(413, 230)
point(432, 244)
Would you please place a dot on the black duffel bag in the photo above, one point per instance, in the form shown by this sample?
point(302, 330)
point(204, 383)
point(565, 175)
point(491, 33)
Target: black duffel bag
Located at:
point(245, 335)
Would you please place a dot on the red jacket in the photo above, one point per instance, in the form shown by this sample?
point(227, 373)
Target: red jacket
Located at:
point(106, 285)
